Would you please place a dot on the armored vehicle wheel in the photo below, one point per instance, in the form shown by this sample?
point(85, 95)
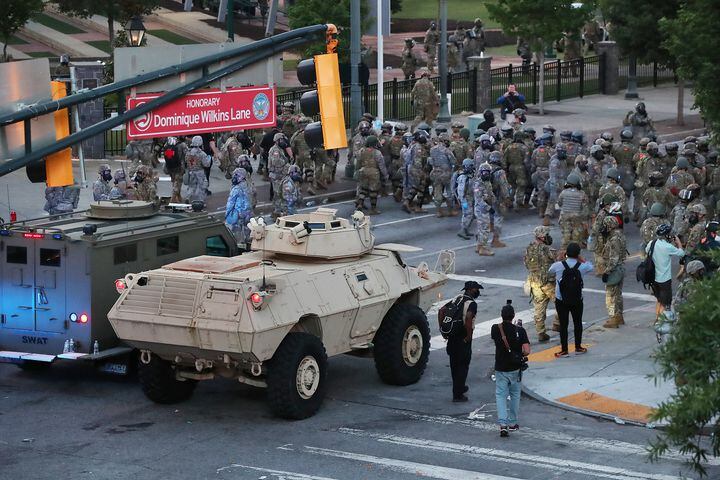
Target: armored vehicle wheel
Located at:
point(159, 384)
point(296, 376)
point(402, 345)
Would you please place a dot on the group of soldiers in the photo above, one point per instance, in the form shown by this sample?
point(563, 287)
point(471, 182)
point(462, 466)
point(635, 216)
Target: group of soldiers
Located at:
point(461, 45)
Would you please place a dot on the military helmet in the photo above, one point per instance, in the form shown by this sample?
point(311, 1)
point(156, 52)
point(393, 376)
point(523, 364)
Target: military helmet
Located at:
point(518, 136)
point(595, 148)
point(294, 168)
point(196, 141)
point(278, 136)
point(529, 130)
point(663, 230)
point(560, 147)
point(444, 137)
point(655, 175)
point(577, 136)
point(573, 180)
point(421, 136)
point(690, 139)
point(401, 127)
point(640, 107)
point(119, 175)
point(693, 187)
point(424, 72)
point(410, 41)
point(606, 145)
point(549, 128)
point(541, 232)
point(652, 147)
point(712, 227)
point(712, 157)
point(611, 222)
point(613, 173)
point(468, 164)
point(368, 116)
point(456, 125)
point(693, 267)
point(703, 141)
point(580, 159)
point(626, 134)
point(478, 23)
point(658, 210)
point(172, 141)
point(371, 141)
point(609, 199)
point(644, 141)
point(689, 149)
point(478, 133)
point(424, 126)
point(698, 208)
point(684, 194)
point(544, 139)
point(607, 136)
point(506, 130)
point(518, 112)
point(440, 128)
point(289, 105)
point(671, 147)
point(495, 158)
point(565, 135)
point(494, 132)
point(104, 168)
point(364, 126)
point(465, 133)
point(682, 162)
point(486, 167)
point(486, 138)
point(238, 175)
point(386, 126)
point(407, 138)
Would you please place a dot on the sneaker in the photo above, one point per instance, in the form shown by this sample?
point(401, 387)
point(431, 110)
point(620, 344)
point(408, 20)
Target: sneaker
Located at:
point(562, 354)
point(504, 432)
point(543, 337)
point(461, 398)
point(514, 428)
point(580, 350)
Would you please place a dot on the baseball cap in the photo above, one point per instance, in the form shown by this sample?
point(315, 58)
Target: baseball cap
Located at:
point(470, 284)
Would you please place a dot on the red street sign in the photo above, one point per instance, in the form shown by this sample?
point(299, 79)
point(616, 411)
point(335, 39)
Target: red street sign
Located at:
point(204, 111)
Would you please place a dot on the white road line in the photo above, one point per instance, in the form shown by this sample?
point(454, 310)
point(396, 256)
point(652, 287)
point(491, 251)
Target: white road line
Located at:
point(461, 247)
point(595, 444)
point(274, 473)
point(402, 220)
point(519, 284)
point(402, 466)
point(518, 458)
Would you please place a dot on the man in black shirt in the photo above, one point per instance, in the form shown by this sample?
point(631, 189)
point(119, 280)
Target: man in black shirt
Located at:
point(459, 347)
point(511, 341)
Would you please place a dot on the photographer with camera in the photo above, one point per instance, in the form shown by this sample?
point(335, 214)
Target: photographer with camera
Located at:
point(511, 100)
point(511, 350)
point(661, 251)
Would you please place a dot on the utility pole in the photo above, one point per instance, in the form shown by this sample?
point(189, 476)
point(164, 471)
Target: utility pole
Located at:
point(380, 64)
point(355, 100)
point(230, 18)
point(444, 113)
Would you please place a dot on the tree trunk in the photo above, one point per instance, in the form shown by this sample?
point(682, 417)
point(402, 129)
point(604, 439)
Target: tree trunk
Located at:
point(541, 87)
point(5, 57)
point(681, 102)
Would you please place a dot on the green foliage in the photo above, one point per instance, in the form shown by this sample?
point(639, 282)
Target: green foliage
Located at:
point(693, 38)
point(458, 10)
point(640, 34)
point(395, 6)
point(541, 22)
point(313, 12)
point(119, 10)
point(16, 13)
point(691, 358)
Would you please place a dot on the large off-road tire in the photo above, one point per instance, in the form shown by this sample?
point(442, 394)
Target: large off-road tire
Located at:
point(402, 345)
point(159, 384)
point(297, 376)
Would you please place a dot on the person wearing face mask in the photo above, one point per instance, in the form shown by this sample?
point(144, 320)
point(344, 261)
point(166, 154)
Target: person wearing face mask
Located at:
point(539, 256)
point(194, 177)
point(119, 188)
point(239, 207)
point(639, 121)
point(290, 192)
point(568, 296)
point(144, 186)
point(556, 180)
point(101, 187)
point(278, 160)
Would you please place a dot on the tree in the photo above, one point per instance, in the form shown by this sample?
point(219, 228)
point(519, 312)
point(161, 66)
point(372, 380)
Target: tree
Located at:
point(692, 38)
point(312, 12)
point(691, 358)
point(115, 10)
point(15, 16)
point(395, 6)
point(540, 22)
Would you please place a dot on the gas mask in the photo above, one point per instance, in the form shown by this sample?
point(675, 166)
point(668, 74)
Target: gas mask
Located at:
point(547, 240)
point(583, 167)
point(107, 176)
point(693, 219)
point(296, 177)
point(138, 178)
point(283, 144)
point(598, 154)
point(561, 155)
point(485, 175)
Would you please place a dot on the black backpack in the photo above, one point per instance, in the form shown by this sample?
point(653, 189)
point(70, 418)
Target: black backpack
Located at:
point(172, 157)
point(571, 284)
point(451, 318)
point(645, 272)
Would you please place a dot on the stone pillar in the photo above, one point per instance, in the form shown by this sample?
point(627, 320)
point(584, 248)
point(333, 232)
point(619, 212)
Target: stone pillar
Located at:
point(91, 75)
point(484, 84)
point(609, 67)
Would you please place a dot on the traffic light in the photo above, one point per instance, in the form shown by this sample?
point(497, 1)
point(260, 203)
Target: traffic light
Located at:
point(55, 169)
point(329, 132)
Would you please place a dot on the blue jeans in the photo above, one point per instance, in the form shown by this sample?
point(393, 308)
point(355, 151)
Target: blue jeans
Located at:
point(507, 383)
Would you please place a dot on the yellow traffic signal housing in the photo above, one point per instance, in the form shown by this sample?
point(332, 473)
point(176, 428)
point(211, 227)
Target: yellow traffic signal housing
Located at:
point(326, 100)
point(58, 166)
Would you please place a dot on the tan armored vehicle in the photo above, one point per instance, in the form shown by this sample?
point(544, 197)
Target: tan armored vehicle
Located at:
point(314, 286)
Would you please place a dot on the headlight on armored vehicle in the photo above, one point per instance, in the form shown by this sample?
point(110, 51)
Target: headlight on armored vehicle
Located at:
point(120, 285)
point(256, 298)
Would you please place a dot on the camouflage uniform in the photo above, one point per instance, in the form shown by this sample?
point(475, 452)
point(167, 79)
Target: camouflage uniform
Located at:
point(289, 119)
point(442, 162)
point(356, 143)
point(453, 52)
point(515, 157)
point(395, 146)
point(101, 187)
point(176, 174)
point(697, 232)
point(415, 171)
point(598, 241)
point(303, 156)
point(647, 231)
point(613, 188)
point(461, 150)
point(409, 61)
point(425, 100)
point(678, 217)
point(464, 194)
point(144, 186)
point(712, 188)
point(624, 155)
point(483, 199)
point(503, 199)
point(239, 206)
point(574, 216)
point(277, 170)
point(614, 253)
point(371, 175)
point(538, 258)
point(639, 122)
point(679, 179)
point(556, 180)
point(141, 152)
point(290, 193)
point(228, 157)
point(196, 159)
point(119, 189)
point(61, 200)
point(572, 51)
point(430, 44)
point(539, 163)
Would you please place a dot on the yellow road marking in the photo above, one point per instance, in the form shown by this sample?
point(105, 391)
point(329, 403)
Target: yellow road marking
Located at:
point(595, 402)
point(548, 355)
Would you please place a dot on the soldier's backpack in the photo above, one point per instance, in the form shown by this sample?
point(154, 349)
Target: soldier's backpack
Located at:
point(451, 318)
point(172, 157)
point(645, 272)
point(571, 284)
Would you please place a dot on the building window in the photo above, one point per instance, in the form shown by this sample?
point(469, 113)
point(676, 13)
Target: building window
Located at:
point(16, 255)
point(49, 257)
point(124, 254)
point(168, 245)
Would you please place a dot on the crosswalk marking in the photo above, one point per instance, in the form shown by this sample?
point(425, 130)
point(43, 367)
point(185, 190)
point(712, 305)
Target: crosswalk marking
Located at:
point(460, 247)
point(279, 474)
point(519, 284)
point(518, 458)
point(594, 444)
point(417, 469)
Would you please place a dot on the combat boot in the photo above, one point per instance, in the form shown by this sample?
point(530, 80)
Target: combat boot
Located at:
point(321, 185)
point(406, 206)
point(464, 234)
point(398, 195)
point(417, 208)
point(359, 205)
point(373, 207)
point(612, 322)
point(454, 212)
point(543, 337)
point(546, 221)
point(496, 243)
point(621, 319)
point(483, 251)
point(440, 212)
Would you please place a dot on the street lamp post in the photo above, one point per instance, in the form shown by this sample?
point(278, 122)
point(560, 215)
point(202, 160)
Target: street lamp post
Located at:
point(631, 91)
point(135, 30)
point(444, 113)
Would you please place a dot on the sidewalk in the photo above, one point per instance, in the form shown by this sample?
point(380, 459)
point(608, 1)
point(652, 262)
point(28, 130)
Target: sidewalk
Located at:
point(612, 381)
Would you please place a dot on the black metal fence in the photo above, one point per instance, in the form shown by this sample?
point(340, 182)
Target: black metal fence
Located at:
point(647, 74)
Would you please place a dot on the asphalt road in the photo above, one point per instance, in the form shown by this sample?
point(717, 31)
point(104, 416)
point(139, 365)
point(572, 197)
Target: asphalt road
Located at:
point(70, 422)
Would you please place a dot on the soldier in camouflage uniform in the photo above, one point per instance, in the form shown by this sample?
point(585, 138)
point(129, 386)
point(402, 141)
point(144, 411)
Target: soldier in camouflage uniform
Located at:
point(425, 99)
point(372, 174)
point(144, 185)
point(515, 158)
point(574, 213)
point(141, 152)
point(712, 188)
point(612, 186)
point(624, 155)
point(430, 44)
point(639, 122)
point(483, 200)
point(442, 162)
point(587, 185)
point(290, 192)
point(538, 257)
point(572, 50)
point(410, 62)
point(641, 160)
point(61, 200)
point(245, 164)
point(697, 164)
point(119, 188)
point(482, 152)
point(696, 220)
point(678, 216)
point(394, 147)
point(460, 147)
point(695, 271)
point(671, 155)
point(648, 228)
point(556, 180)
point(386, 134)
point(196, 160)
point(278, 161)
point(656, 193)
point(614, 253)
point(289, 119)
point(540, 173)
point(503, 197)
point(414, 173)
point(358, 142)
point(680, 178)
point(598, 234)
point(239, 206)
point(101, 187)
point(464, 194)
point(454, 45)
point(303, 155)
